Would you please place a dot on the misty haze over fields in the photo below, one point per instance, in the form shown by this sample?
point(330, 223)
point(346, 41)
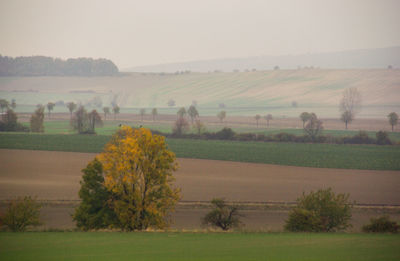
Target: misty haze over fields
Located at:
point(247, 57)
point(355, 59)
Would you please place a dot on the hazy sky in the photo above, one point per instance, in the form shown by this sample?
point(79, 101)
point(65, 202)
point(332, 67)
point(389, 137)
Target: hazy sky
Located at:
point(133, 33)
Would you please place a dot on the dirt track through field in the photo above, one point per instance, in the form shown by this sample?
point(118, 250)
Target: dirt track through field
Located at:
point(56, 176)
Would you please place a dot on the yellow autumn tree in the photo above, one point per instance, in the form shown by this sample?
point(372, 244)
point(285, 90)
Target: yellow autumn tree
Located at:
point(138, 171)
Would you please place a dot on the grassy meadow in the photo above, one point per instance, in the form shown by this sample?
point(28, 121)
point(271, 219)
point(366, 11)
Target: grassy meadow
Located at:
point(197, 246)
point(292, 154)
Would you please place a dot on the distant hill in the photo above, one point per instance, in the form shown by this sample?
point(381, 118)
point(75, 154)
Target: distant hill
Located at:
point(48, 66)
point(354, 59)
point(242, 93)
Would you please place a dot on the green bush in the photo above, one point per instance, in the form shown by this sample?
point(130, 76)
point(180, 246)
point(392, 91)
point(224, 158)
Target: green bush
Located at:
point(320, 211)
point(21, 214)
point(8, 122)
point(303, 220)
point(382, 138)
point(94, 211)
point(37, 120)
point(284, 137)
point(381, 225)
point(222, 216)
point(225, 134)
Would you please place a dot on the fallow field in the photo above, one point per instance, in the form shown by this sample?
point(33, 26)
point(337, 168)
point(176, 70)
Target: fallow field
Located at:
point(265, 191)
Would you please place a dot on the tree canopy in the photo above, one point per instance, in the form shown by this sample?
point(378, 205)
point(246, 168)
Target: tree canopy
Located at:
point(223, 216)
point(393, 119)
point(138, 171)
point(48, 66)
point(193, 113)
point(350, 105)
point(94, 211)
point(320, 211)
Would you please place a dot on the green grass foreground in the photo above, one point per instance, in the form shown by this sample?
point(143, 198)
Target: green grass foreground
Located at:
point(293, 154)
point(197, 246)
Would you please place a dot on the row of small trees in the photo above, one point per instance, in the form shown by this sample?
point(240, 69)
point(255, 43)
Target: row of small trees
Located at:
point(319, 211)
point(72, 107)
point(48, 66)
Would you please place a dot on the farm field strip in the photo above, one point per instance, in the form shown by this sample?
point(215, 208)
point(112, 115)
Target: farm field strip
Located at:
point(197, 246)
point(314, 88)
point(372, 157)
point(188, 217)
point(166, 126)
point(56, 176)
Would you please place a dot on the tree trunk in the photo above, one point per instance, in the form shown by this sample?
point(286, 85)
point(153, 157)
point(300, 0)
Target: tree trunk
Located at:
point(346, 124)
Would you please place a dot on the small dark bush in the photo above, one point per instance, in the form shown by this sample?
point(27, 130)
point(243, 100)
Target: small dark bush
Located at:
point(332, 140)
point(8, 122)
point(381, 225)
point(382, 138)
point(246, 137)
point(225, 134)
point(13, 127)
point(360, 138)
point(261, 137)
point(222, 216)
point(320, 139)
point(284, 137)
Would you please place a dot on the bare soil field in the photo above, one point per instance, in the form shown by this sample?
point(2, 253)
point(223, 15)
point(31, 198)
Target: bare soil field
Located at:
point(54, 177)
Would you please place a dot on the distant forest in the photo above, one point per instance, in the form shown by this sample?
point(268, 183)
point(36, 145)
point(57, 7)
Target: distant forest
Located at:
point(48, 66)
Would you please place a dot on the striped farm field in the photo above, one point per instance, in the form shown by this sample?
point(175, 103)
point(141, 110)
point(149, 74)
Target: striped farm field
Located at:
point(372, 157)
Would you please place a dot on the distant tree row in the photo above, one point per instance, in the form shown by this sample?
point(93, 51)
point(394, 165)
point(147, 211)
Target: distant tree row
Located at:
point(48, 66)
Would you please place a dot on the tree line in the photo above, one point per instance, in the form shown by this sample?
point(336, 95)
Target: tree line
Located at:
point(48, 66)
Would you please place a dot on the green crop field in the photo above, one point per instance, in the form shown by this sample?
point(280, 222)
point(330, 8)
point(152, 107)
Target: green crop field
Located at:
point(197, 246)
point(294, 154)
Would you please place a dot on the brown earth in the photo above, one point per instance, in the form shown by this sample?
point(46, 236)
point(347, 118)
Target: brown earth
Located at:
point(55, 176)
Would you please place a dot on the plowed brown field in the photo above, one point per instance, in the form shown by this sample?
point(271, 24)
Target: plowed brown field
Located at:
point(56, 176)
